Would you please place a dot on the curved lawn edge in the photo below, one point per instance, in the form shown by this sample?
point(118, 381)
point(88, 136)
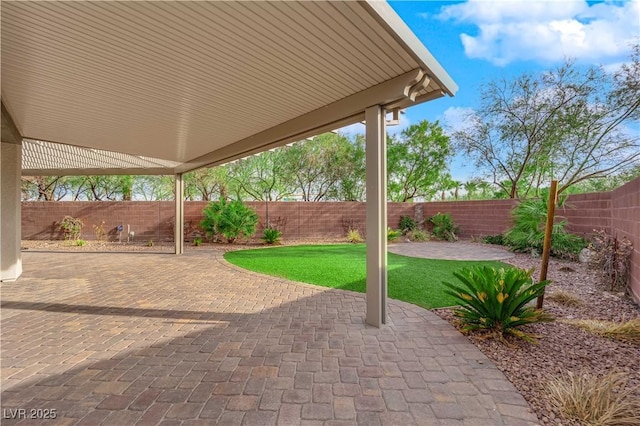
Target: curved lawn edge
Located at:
point(414, 280)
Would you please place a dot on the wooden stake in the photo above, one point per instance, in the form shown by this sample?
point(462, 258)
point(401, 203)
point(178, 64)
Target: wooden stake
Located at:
point(546, 249)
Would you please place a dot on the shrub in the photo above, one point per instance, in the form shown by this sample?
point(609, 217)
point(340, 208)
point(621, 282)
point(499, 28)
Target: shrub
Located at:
point(197, 241)
point(101, 234)
point(418, 235)
point(271, 236)
point(393, 235)
point(150, 243)
point(444, 227)
point(591, 400)
point(495, 300)
point(80, 243)
point(407, 225)
point(612, 258)
point(72, 227)
point(230, 220)
point(527, 234)
point(494, 239)
point(353, 236)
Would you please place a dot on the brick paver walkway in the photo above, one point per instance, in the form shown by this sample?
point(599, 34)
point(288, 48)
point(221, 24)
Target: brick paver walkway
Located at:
point(453, 251)
point(147, 339)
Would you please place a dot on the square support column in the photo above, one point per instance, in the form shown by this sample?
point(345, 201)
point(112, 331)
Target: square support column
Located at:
point(376, 212)
point(10, 211)
point(179, 225)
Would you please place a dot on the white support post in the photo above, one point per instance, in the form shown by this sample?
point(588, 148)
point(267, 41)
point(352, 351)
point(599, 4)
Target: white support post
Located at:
point(179, 225)
point(10, 211)
point(376, 163)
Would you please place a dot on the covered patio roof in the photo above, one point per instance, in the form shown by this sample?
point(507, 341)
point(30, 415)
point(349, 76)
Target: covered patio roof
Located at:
point(201, 83)
point(175, 86)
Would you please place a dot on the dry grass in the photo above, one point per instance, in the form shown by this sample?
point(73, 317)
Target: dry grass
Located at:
point(626, 332)
point(565, 298)
point(596, 401)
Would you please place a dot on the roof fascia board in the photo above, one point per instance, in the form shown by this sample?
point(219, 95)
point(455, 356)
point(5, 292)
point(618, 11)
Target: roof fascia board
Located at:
point(10, 132)
point(337, 114)
point(388, 18)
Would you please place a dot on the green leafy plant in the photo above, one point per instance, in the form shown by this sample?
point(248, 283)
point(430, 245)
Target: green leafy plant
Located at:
point(80, 243)
point(494, 239)
point(271, 236)
point(354, 236)
point(407, 224)
point(197, 241)
point(101, 234)
point(527, 234)
point(612, 259)
point(229, 220)
point(72, 227)
point(444, 228)
point(496, 300)
point(418, 235)
point(393, 235)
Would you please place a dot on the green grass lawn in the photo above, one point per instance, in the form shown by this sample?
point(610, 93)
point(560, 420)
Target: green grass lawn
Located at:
point(414, 280)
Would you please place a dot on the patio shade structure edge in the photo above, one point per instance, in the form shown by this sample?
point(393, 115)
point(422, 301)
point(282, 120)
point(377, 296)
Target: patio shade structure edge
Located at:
point(275, 81)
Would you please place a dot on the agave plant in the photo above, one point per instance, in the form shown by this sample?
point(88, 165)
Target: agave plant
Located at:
point(496, 300)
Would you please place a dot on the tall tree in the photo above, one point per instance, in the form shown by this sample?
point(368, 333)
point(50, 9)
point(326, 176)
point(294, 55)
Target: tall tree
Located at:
point(351, 184)
point(417, 160)
point(566, 124)
point(318, 164)
point(44, 188)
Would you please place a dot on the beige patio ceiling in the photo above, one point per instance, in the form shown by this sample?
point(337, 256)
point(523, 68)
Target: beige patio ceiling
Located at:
point(199, 83)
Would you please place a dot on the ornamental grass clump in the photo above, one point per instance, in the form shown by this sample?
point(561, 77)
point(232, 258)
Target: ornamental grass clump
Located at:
point(496, 300)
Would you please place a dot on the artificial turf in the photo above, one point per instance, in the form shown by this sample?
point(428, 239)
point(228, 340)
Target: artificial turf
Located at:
point(411, 279)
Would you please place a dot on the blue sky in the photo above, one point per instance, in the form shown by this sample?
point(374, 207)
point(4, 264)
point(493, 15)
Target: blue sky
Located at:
point(477, 41)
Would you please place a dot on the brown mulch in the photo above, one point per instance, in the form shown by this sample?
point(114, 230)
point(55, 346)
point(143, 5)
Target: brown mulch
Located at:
point(562, 347)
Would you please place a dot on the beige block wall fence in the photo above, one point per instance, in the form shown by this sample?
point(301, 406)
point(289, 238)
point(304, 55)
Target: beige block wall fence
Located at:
point(617, 211)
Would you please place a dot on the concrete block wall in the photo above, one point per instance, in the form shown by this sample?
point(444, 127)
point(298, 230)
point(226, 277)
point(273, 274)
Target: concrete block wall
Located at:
point(618, 212)
point(625, 222)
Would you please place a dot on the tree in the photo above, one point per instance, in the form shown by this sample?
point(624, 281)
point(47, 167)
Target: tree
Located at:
point(315, 166)
point(44, 188)
point(351, 184)
point(566, 124)
point(471, 187)
point(417, 161)
point(152, 188)
point(261, 177)
point(206, 184)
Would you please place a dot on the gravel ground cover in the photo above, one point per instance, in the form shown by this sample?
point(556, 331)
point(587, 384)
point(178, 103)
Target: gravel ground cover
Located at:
point(564, 347)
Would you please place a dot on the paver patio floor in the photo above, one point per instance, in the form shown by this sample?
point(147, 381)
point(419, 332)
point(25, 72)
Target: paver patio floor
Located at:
point(126, 338)
point(452, 251)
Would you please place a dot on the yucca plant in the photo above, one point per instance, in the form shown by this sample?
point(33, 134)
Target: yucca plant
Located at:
point(393, 235)
point(354, 236)
point(496, 300)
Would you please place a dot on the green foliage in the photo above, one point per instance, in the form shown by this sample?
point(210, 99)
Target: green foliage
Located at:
point(271, 236)
point(80, 243)
point(72, 227)
point(418, 235)
point(416, 159)
point(230, 220)
point(495, 300)
point(354, 236)
point(197, 241)
point(150, 243)
point(407, 224)
point(393, 235)
point(444, 228)
point(612, 258)
point(527, 233)
point(494, 239)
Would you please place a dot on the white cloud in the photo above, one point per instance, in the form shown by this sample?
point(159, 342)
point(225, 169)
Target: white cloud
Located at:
point(456, 118)
point(548, 30)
